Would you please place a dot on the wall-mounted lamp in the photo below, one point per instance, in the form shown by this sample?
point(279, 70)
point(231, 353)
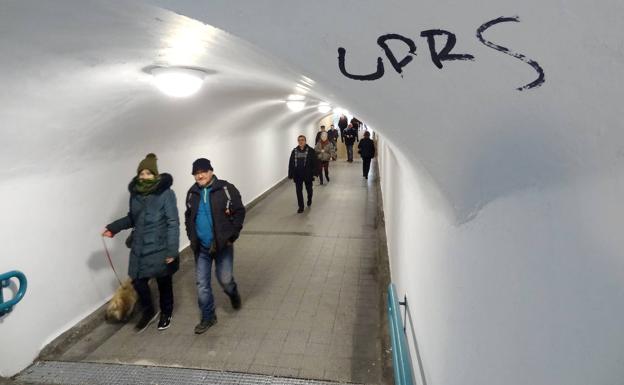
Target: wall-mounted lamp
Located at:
point(178, 82)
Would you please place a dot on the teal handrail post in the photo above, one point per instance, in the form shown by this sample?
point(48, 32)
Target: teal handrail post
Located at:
point(403, 373)
point(5, 281)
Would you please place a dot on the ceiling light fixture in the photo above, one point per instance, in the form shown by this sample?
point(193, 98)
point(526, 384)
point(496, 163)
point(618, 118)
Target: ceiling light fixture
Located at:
point(324, 107)
point(178, 82)
point(295, 103)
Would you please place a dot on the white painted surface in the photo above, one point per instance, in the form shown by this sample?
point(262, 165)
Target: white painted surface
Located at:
point(503, 208)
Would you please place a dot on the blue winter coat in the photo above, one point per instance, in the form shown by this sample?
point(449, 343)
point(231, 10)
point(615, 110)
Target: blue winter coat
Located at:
point(156, 234)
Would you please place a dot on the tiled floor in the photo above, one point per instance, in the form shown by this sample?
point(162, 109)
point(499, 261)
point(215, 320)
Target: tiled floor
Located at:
point(310, 296)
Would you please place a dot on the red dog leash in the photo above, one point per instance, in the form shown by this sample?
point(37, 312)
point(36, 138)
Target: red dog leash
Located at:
point(110, 261)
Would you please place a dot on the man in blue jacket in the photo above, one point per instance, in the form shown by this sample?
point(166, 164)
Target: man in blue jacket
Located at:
point(214, 219)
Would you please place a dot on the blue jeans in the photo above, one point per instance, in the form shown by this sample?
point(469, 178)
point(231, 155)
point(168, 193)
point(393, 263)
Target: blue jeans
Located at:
point(223, 268)
point(349, 152)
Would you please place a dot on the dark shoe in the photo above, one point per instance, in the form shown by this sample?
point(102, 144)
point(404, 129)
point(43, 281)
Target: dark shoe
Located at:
point(165, 322)
point(299, 211)
point(147, 318)
point(309, 202)
point(205, 324)
point(326, 177)
point(236, 301)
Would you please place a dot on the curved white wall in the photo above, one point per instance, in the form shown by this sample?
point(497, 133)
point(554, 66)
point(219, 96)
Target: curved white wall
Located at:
point(503, 207)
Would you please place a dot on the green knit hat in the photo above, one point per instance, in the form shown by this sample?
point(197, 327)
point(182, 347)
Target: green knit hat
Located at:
point(149, 163)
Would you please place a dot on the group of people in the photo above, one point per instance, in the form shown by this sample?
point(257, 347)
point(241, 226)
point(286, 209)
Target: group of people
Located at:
point(306, 162)
point(213, 220)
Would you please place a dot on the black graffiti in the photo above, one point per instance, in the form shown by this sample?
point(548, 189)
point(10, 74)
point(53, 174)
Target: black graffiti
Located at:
point(437, 57)
point(374, 76)
point(445, 54)
point(398, 65)
point(540, 79)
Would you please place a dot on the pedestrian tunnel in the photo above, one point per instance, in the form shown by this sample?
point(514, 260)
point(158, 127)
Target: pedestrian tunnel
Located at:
point(493, 203)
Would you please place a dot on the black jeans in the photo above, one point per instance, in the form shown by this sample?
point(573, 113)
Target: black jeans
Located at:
point(323, 165)
point(299, 187)
point(165, 293)
point(366, 165)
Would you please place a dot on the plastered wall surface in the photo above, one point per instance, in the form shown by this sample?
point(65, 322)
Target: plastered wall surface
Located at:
point(503, 207)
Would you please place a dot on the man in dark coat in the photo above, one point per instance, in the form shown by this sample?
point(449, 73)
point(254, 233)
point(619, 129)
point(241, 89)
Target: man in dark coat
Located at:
point(332, 134)
point(350, 137)
point(318, 135)
point(214, 219)
point(301, 168)
point(154, 243)
point(366, 148)
point(342, 125)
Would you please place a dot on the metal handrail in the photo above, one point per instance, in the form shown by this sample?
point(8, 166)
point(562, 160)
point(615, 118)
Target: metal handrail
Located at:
point(5, 281)
point(403, 373)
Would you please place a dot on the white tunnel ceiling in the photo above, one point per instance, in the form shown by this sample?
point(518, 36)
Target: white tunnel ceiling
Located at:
point(466, 125)
point(74, 81)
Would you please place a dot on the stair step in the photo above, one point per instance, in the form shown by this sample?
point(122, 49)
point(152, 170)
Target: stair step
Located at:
point(79, 373)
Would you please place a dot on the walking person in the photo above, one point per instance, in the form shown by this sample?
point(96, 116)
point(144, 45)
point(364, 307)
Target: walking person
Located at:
point(332, 134)
point(318, 135)
point(213, 218)
point(342, 125)
point(154, 242)
point(325, 152)
point(366, 148)
point(301, 169)
point(351, 136)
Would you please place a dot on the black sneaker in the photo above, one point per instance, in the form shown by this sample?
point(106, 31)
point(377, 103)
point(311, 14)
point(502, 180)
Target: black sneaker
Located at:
point(327, 179)
point(236, 301)
point(147, 318)
point(165, 322)
point(309, 202)
point(205, 324)
point(300, 211)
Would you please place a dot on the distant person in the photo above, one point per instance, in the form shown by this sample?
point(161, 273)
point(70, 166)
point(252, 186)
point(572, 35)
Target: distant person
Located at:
point(325, 152)
point(356, 123)
point(154, 243)
point(366, 148)
point(318, 134)
point(332, 133)
point(350, 136)
point(301, 169)
point(214, 219)
point(342, 125)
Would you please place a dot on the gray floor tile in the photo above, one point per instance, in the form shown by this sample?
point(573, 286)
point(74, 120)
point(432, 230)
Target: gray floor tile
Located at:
point(310, 302)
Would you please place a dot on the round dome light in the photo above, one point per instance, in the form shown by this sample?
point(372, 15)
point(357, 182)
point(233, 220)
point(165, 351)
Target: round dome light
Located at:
point(295, 102)
point(178, 82)
point(295, 105)
point(324, 107)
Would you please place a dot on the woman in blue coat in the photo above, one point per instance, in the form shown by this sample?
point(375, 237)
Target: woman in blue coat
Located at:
point(155, 238)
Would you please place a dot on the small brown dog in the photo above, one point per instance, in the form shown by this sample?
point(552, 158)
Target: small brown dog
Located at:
point(121, 305)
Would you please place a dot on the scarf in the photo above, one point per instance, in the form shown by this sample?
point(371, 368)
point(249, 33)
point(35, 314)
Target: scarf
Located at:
point(147, 186)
